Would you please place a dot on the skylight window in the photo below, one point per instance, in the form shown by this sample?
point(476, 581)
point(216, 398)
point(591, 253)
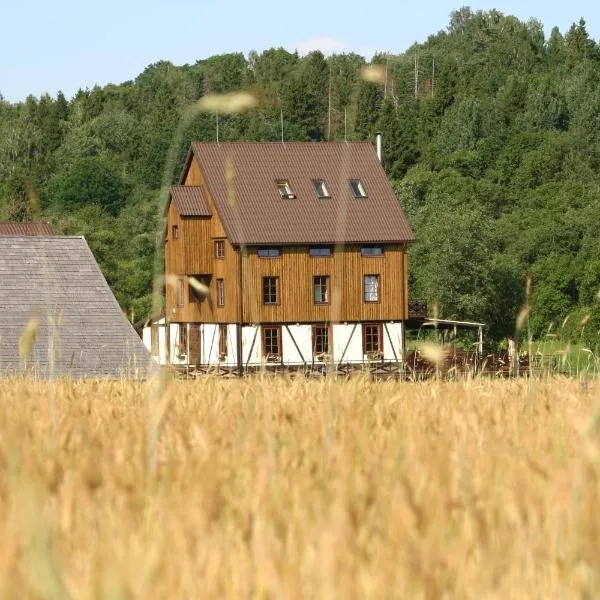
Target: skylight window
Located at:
point(321, 189)
point(285, 190)
point(357, 188)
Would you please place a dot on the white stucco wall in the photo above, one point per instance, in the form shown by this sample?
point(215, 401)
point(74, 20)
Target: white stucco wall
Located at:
point(161, 358)
point(247, 336)
point(341, 335)
point(302, 335)
point(395, 333)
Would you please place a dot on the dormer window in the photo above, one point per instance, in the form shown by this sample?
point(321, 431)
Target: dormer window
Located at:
point(285, 190)
point(357, 188)
point(321, 189)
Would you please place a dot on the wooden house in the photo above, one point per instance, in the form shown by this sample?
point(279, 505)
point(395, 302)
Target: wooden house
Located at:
point(283, 254)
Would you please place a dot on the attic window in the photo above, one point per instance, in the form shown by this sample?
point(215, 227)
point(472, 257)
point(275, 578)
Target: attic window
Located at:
point(357, 188)
point(321, 189)
point(285, 190)
point(269, 252)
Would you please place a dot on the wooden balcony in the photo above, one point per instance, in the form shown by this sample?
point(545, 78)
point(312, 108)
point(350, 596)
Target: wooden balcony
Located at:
point(417, 309)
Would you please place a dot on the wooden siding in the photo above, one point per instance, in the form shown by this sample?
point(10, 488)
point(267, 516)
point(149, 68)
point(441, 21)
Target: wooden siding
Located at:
point(194, 254)
point(346, 269)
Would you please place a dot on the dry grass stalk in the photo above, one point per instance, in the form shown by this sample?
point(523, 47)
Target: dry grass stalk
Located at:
point(285, 488)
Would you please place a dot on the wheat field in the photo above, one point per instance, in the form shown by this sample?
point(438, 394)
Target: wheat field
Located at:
point(281, 488)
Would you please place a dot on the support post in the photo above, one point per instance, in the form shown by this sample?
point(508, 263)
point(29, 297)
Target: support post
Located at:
point(480, 344)
point(187, 350)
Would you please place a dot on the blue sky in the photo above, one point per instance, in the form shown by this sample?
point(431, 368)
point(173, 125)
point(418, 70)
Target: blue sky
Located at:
point(61, 45)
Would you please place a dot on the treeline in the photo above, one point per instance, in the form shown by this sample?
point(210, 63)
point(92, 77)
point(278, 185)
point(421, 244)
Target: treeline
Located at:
point(491, 138)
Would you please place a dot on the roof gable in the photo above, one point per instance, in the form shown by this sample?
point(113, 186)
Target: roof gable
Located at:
point(256, 213)
point(189, 201)
point(56, 280)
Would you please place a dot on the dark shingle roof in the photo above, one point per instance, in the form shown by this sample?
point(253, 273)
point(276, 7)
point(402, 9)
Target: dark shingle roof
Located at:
point(57, 280)
point(10, 228)
point(263, 217)
point(190, 201)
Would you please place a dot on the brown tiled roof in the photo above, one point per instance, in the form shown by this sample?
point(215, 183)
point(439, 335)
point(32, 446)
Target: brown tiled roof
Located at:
point(190, 201)
point(10, 228)
point(260, 216)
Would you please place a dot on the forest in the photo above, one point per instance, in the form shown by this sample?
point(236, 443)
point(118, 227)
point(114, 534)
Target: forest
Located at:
point(491, 138)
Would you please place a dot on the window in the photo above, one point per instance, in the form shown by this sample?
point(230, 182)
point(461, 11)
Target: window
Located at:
point(222, 341)
point(372, 338)
point(321, 289)
point(269, 252)
point(220, 249)
point(372, 250)
point(220, 292)
point(285, 190)
point(272, 341)
point(183, 339)
point(175, 232)
point(270, 290)
point(180, 293)
point(321, 188)
point(357, 188)
point(371, 288)
point(320, 339)
point(320, 251)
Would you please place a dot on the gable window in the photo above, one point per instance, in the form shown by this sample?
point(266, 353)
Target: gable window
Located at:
point(372, 338)
point(320, 339)
point(220, 292)
point(269, 252)
point(179, 293)
point(175, 232)
point(371, 288)
point(320, 251)
point(321, 189)
point(222, 342)
point(220, 249)
point(321, 289)
point(272, 341)
point(285, 190)
point(357, 188)
point(372, 250)
point(270, 290)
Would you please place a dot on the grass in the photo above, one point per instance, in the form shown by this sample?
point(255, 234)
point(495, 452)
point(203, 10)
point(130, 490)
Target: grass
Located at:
point(279, 488)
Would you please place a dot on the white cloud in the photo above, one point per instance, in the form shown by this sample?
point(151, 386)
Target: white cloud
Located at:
point(326, 45)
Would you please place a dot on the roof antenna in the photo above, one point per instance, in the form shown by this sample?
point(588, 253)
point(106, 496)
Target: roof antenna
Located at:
point(281, 115)
point(217, 127)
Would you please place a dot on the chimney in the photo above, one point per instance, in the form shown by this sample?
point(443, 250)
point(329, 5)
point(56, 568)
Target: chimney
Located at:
point(378, 142)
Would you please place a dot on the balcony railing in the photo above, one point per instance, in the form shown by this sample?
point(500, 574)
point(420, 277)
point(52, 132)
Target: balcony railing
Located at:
point(417, 309)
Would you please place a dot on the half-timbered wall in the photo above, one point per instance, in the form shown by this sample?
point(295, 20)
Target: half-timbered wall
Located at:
point(346, 344)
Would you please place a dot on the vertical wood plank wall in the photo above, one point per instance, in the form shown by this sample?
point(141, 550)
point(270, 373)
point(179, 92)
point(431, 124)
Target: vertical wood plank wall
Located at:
point(193, 254)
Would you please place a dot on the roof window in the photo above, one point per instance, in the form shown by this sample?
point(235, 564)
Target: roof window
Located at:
point(285, 190)
point(357, 188)
point(321, 189)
